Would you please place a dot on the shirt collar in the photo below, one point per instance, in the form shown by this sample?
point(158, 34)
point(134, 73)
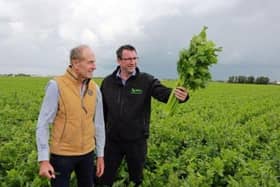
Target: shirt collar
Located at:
point(118, 74)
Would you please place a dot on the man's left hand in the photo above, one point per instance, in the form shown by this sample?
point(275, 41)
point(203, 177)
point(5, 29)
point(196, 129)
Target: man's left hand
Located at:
point(99, 166)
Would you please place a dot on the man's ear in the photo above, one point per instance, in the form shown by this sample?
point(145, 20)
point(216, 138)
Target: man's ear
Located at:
point(74, 62)
point(119, 61)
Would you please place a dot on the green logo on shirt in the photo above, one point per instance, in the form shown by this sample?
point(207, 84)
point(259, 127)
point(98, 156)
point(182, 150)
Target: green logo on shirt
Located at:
point(136, 91)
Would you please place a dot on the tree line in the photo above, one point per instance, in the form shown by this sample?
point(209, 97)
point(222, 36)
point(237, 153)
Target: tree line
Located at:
point(15, 75)
point(248, 79)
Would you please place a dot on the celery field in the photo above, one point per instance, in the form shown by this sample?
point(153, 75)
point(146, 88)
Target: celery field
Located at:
point(225, 135)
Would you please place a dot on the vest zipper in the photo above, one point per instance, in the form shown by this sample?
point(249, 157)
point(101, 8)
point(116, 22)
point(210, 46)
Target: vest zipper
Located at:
point(85, 109)
point(82, 98)
point(120, 100)
point(82, 135)
point(83, 106)
point(82, 125)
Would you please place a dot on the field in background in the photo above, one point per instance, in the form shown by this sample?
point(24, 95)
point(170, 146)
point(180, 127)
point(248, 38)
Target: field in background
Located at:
point(225, 135)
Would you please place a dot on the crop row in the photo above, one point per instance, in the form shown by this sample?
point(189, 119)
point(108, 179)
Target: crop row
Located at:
point(225, 135)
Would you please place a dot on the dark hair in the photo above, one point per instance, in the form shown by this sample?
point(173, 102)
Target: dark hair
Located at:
point(124, 47)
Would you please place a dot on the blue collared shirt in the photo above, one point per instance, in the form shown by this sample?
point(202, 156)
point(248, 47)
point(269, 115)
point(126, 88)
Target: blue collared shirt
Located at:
point(119, 75)
point(47, 115)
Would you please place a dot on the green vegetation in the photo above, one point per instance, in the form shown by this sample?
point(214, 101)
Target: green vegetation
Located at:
point(249, 79)
point(225, 135)
point(193, 66)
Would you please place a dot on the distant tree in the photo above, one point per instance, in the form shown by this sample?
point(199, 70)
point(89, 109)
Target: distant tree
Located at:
point(22, 75)
point(7, 75)
point(241, 79)
point(250, 79)
point(262, 80)
point(231, 79)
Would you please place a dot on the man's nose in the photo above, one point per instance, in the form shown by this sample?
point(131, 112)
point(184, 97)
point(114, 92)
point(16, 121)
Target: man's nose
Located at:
point(93, 66)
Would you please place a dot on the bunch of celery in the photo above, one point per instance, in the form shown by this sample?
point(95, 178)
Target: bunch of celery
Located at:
point(193, 66)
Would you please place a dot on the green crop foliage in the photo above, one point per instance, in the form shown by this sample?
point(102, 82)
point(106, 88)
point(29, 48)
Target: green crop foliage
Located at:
point(228, 135)
point(193, 66)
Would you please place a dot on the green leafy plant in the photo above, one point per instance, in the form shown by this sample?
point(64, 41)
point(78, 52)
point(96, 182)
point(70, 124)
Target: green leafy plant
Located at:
point(193, 66)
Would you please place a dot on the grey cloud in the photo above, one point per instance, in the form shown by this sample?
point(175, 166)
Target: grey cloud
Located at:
point(248, 37)
point(247, 31)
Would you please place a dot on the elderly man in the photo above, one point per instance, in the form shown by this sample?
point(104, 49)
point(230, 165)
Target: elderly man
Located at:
point(73, 107)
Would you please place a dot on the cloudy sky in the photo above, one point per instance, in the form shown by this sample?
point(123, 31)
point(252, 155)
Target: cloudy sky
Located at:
point(36, 35)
